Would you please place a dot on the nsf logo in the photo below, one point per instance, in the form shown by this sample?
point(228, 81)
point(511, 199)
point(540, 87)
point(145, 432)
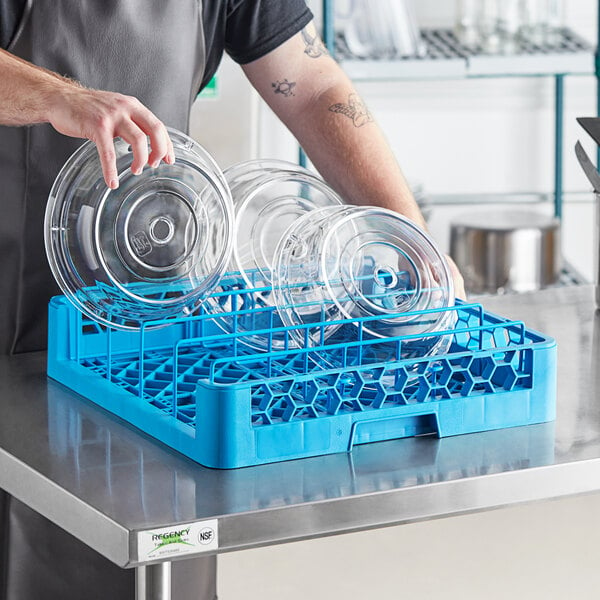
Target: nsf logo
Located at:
point(206, 535)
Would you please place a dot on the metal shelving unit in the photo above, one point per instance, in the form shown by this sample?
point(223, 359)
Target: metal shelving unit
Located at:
point(446, 58)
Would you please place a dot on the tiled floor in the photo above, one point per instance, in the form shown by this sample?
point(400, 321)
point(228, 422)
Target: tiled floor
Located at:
point(542, 551)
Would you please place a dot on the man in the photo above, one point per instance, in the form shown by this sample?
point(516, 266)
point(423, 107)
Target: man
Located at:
point(100, 69)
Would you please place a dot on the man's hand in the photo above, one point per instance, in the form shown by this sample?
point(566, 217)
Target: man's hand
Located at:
point(103, 116)
point(30, 94)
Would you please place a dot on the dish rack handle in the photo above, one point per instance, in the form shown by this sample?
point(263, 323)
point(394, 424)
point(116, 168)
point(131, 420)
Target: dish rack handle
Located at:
point(408, 425)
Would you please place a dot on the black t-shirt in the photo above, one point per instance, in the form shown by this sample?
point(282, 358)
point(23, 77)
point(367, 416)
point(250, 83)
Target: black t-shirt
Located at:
point(245, 29)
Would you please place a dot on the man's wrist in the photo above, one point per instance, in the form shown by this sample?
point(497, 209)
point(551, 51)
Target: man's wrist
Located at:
point(55, 94)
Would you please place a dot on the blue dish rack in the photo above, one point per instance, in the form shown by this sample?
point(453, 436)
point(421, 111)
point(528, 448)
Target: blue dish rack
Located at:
point(208, 395)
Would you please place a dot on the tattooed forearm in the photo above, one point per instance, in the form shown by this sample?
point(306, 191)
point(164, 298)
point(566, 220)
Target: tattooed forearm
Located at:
point(355, 110)
point(285, 87)
point(314, 47)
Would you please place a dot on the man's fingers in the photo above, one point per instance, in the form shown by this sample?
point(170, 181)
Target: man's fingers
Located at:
point(171, 152)
point(138, 141)
point(106, 152)
point(157, 132)
point(102, 116)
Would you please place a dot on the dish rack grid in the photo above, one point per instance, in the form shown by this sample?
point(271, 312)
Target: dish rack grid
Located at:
point(211, 396)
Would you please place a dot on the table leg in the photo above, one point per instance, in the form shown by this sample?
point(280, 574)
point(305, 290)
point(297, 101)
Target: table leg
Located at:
point(153, 582)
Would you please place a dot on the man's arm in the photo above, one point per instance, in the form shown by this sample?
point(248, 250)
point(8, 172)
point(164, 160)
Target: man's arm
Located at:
point(30, 95)
point(315, 99)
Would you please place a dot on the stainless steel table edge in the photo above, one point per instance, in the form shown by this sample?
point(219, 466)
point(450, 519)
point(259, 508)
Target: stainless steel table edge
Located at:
point(66, 510)
point(397, 507)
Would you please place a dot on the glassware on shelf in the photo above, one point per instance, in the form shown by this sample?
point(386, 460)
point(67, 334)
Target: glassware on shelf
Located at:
point(508, 25)
point(355, 22)
point(403, 25)
point(487, 25)
point(480, 24)
point(386, 29)
point(542, 21)
point(505, 26)
point(533, 21)
point(555, 21)
point(466, 29)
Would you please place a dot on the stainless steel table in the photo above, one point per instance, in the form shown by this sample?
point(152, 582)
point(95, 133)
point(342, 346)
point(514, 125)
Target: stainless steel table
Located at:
point(110, 485)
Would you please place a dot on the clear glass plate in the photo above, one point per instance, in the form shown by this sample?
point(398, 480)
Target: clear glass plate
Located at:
point(149, 250)
point(268, 196)
point(364, 263)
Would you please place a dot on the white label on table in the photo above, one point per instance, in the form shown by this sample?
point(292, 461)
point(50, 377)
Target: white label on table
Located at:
point(174, 541)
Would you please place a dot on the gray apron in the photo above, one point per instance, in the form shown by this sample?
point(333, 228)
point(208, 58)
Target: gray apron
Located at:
point(151, 49)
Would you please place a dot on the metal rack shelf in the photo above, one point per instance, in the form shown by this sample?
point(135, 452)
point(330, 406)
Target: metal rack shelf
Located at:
point(447, 58)
point(570, 55)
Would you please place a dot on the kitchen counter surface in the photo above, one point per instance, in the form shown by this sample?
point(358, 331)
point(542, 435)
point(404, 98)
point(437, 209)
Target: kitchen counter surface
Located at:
point(107, 483)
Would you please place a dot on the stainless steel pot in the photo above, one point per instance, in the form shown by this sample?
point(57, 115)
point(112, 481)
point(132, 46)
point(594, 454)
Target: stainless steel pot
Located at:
point(508, 250)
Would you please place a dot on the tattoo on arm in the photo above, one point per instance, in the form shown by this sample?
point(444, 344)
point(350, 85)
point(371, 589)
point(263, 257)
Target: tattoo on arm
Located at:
point(313, 46)
point(355, 110)
point(285, 87)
